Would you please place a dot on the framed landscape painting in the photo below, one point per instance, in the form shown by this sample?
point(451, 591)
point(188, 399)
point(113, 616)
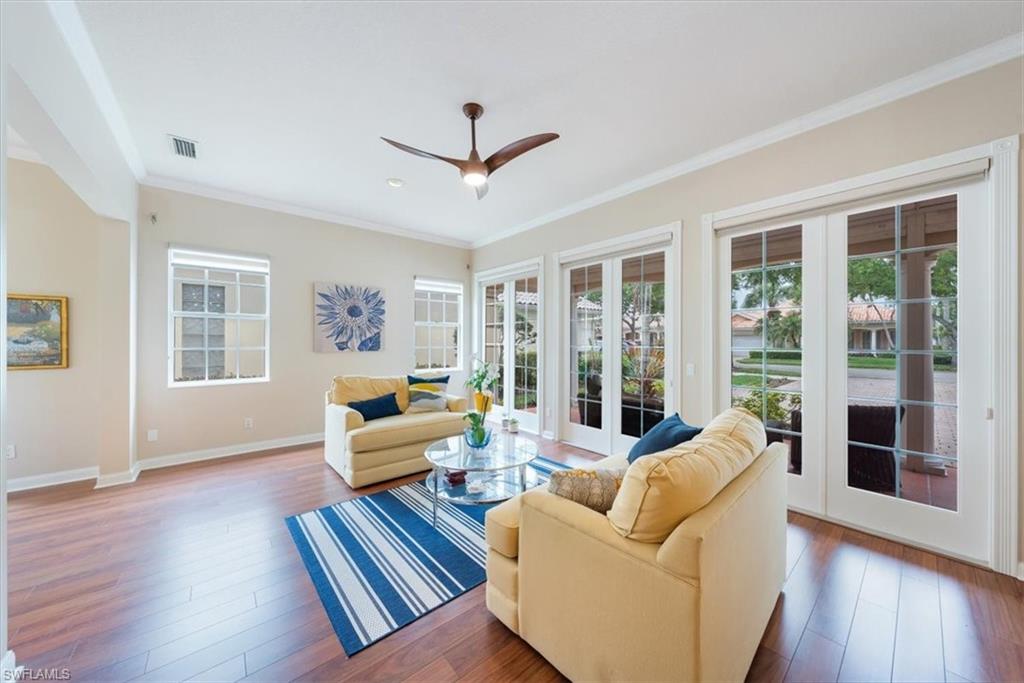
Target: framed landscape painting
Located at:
point(37, 332)
point(347, 317)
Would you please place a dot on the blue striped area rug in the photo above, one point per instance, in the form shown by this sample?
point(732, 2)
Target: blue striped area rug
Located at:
point(379, 564)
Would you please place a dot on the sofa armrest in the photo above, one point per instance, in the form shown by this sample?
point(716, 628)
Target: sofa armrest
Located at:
point(457, 404)
point(344, 416)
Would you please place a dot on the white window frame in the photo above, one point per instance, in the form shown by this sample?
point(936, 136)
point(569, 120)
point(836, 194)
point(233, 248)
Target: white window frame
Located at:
point(436, 285)
point(207, 260)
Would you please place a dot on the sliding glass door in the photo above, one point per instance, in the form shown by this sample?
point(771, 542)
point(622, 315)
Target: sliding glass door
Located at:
point(618, 333)
point(511, 325)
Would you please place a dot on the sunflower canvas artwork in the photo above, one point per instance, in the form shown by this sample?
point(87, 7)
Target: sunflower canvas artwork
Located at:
point(348, 317)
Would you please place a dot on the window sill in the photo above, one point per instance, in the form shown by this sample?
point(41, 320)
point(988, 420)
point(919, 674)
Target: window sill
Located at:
point(217, 382)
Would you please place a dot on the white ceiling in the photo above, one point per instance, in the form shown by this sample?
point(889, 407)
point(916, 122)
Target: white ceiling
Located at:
point(288, 100)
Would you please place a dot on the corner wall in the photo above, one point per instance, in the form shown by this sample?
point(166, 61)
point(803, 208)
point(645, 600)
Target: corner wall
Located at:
point(301, 251)
point(53, 248)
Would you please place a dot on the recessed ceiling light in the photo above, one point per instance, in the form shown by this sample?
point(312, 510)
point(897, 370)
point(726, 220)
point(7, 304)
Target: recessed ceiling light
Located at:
point(395, 182)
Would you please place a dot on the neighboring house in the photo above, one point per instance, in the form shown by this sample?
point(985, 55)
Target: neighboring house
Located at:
point(871, 327)
point(746, 333)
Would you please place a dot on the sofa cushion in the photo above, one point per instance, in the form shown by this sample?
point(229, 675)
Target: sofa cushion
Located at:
point(400, 430)
point(668, 433)
point(501, 523)
point(376, 408)
point(662, 489)
point(348, 388)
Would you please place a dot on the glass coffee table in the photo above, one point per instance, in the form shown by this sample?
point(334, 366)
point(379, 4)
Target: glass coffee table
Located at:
point(493, 473)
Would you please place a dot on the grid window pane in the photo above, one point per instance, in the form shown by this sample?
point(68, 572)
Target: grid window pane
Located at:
point(586, 344)
point(437, 316)
point(902, 369)
point(643, 341)
point(767, 331)
point(208, 329)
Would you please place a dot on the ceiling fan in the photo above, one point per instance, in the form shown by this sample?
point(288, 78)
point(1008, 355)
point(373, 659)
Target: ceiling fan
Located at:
point(474, 171)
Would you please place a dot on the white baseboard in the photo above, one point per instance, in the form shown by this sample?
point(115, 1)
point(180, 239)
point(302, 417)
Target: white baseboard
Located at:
point(548, 435)
point(227, 451)
point(118, 478)
point(39, 481)
point(1020, 571)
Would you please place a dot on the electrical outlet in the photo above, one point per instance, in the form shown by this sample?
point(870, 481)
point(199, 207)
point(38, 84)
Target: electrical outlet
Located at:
point(152, 435)
point(12, 452)
point(690, 369)
point(248, 423)
point(547, 412)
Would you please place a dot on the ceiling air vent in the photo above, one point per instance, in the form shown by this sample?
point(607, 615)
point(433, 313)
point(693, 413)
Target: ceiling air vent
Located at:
point(183, 147)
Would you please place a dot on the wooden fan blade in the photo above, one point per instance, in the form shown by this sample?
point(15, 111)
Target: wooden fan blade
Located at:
point(458, 163)
point(481, 191)
point(511, 151)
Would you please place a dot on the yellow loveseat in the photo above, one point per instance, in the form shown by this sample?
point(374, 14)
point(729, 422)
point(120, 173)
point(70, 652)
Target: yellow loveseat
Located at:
point(365, 453)
point(604, 607)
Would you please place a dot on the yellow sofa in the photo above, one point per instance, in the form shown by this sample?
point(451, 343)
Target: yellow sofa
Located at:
point(603, 607)
point(365, 453)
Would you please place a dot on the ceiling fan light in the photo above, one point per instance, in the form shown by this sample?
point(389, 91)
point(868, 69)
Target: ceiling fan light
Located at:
point(474, 179)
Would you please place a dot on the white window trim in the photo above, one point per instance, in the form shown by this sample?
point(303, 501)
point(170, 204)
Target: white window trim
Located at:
point(431, 284)
point(1004, 185)
point(230, 261)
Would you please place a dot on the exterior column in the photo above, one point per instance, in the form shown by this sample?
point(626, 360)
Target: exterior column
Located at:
point(915, 326)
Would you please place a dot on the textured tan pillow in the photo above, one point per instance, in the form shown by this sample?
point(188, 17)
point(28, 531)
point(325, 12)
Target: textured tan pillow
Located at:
point(660, 490)
point(594, 488)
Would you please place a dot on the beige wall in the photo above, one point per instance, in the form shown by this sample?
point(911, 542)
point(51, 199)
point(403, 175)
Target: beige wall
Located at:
point(52, 241)
point(969, 111)
point(301, 251)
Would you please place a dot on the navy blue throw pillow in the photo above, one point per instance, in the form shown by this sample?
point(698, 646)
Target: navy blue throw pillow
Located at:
point(413, 379)
point(373, 408)
point(670, 432)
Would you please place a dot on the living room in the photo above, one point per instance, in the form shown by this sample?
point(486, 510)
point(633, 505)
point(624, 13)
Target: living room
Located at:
point(295, 389)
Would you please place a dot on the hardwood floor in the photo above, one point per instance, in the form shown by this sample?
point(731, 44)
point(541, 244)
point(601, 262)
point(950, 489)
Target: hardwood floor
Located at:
point(190, 574)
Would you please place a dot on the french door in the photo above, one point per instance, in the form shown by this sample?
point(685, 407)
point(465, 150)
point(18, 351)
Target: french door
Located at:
point(909, 368)
point(511, 341)
point(844, 334)
point(617, 349)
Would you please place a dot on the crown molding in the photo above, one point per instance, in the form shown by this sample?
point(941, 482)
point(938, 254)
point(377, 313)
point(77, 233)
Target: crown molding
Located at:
point(69, 21)
point(164, 183)
point(937, 74)
point(23, 154)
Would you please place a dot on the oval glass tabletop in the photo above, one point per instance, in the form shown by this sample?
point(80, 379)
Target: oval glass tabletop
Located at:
point(505, 451)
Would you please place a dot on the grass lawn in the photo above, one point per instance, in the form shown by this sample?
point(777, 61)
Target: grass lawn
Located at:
point(853, 362)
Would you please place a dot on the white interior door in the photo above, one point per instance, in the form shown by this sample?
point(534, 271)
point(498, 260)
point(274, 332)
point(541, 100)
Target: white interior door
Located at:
point(909, 370)
point(618, 356)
